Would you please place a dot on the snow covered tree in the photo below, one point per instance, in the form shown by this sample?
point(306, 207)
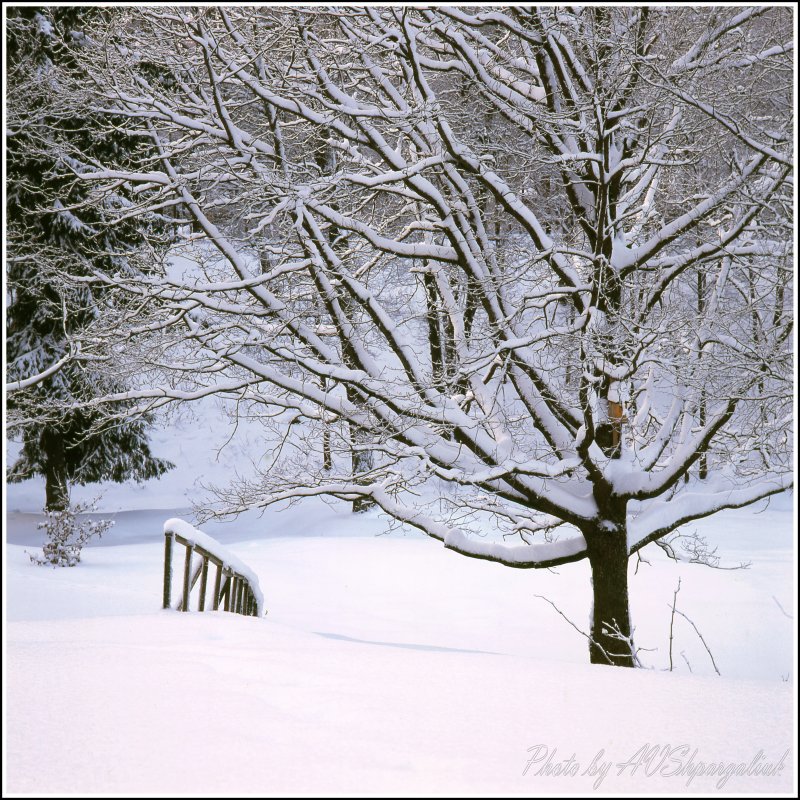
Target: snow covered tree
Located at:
point(545, 272)
point(48, 240)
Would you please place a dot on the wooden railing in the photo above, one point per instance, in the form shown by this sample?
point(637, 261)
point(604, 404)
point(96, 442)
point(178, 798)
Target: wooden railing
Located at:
point(232, 589)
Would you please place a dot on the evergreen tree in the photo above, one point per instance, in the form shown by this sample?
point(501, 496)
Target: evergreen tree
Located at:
point(49, 238)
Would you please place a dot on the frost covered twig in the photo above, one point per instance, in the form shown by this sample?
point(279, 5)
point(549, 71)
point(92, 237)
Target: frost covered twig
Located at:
point(66, 535)
point(613, 631)
point(695, 550)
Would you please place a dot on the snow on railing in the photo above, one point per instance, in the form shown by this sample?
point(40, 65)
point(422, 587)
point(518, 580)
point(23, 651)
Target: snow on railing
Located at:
point(235, 584)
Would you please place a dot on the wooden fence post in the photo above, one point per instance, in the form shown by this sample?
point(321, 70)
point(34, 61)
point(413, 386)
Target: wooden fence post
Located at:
point(217, 586)
point(227, 590)
point(203, 582)
point(167, 569)
point(187, 577)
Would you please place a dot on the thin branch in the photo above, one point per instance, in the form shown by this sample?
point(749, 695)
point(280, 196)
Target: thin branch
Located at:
point(708, 650)
point(672, 621)
point(582, 633)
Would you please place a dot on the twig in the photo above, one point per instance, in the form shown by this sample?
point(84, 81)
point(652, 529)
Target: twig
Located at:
point(672, 621)
point(582, 633)
point(696, 550)
point(615, 633)
point(783, 610)
point(702, 640)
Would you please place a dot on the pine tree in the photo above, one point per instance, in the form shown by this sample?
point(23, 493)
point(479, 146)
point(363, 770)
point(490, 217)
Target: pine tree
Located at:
point(49, 238)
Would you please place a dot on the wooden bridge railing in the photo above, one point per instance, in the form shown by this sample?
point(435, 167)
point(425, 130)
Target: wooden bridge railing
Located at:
point(235, 587)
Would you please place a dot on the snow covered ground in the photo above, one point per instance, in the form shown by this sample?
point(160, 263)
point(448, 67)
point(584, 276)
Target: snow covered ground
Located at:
point(386, 665)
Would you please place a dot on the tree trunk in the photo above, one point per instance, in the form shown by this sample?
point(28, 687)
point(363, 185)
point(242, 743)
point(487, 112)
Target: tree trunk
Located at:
point(434, 330)
point(55, 471)
point(362, 462)
point(327, 457)
point(361, 459)
point(701, 306)
point(611, 641)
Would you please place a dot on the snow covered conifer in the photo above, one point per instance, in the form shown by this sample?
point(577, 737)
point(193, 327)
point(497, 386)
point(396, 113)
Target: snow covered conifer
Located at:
point(48, 240)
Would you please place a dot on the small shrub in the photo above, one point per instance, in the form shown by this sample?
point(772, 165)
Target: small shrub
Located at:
point(65, 535)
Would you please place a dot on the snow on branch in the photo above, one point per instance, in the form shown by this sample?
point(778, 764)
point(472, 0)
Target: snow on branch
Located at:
point(32, 380)
point(526, 556)
point(663, 516)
